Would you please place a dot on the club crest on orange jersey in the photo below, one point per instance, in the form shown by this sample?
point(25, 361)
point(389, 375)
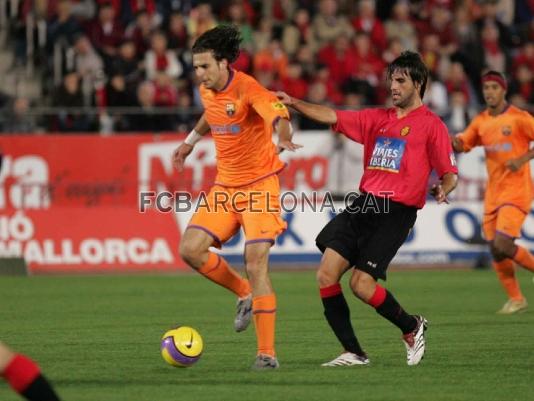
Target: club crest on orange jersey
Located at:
point(506, 130)
point(405, 131)
point(230, 109)
point(278, 106)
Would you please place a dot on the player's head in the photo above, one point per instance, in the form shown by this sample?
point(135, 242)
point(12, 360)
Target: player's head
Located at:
point(213, 52)
point(407, 76)
point(494, 88)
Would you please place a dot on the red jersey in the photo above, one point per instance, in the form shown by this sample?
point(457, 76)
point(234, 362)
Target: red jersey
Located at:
point(399, 153)
point(241, 117)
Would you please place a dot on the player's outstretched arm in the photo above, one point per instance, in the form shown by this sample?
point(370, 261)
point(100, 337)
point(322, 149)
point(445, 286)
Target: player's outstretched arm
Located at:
point(317, 112)
point(447, 185)
point(285, 134)
point(182, 151)
point(515, 164)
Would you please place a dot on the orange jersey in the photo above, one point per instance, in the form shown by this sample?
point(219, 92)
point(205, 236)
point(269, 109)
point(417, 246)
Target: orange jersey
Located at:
point(241, 117)
point(504, 137)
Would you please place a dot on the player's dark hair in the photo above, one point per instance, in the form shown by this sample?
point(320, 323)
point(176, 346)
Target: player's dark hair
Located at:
point(223, 41)
point(412, 64)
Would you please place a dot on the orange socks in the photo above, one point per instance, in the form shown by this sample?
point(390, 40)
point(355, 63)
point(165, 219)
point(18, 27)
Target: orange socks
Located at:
point(264, 311)
point(506, 274)
point(217, 270)
point(524, 258)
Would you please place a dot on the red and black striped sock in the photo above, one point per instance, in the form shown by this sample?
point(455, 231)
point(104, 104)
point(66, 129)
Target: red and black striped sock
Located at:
point(25, 377)
point(387, 306)
point(337, 314)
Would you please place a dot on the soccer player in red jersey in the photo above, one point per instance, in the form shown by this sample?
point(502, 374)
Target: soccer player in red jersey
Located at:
point(506, 133)
point(242, 116)
point(402, 145)
point(24, 376)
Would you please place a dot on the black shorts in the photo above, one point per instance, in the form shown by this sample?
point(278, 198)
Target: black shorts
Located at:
point(369, 233)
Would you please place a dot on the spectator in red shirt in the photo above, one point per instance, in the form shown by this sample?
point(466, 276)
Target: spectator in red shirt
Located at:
point(105, 32)
point(367, 22)
point(140, 31)
point(367, 66)
point(525, 56)
point(457, 81)
point(339, 57)
point(160, 59)
point(177, 33)
point(523, 83)
point(293, 83)
point(333, 93)
point(165, 93)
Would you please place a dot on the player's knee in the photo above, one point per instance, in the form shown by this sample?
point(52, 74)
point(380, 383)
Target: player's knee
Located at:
point(325, 278)
point(256, 269)
point(503, 249)
point(191, 254)
point(362, 286)
point(6, 355)
point(495, 253)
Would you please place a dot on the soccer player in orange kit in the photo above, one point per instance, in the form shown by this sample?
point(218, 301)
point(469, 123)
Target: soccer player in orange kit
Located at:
point(505, 132)
point(242, 116)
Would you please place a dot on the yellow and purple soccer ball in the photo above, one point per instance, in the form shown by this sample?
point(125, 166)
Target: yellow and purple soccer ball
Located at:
point(181, 346)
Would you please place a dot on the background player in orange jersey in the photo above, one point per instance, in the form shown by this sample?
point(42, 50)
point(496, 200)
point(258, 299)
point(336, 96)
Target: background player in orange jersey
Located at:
point(505, 132)
point(242, 116)
point(24, 376)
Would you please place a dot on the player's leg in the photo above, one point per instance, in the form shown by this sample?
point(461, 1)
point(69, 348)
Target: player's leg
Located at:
point(336, 309)
point(263, 301)
point(369, 291)
point(505, 227)
point(212, 225)
point(502, 264)
point(386, 232)
point(412, 327)
point(194, 250)
point(509, 222)
point(339, 244)
point(259, 214)
point(24, 376)
point(505, 270)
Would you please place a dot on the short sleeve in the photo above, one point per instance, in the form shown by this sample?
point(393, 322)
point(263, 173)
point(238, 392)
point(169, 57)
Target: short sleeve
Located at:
point(440, 151)
point(354, 124)
point(265, 102)
point(527, 126)
point(470, 136)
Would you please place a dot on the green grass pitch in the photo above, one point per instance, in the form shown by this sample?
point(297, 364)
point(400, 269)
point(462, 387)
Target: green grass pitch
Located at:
point(97, 338)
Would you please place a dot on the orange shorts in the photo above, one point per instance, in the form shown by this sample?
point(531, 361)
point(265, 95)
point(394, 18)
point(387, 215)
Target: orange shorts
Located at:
point(506, 219)
point(255, 207)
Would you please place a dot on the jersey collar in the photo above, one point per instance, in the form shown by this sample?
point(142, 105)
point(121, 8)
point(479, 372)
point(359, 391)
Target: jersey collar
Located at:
point(230, 78)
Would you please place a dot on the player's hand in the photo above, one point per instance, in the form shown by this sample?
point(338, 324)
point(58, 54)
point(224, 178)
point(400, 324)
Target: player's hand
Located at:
point(287, 145)
point(438, 194)
point(457, 144)
point(179, 155)
point(514, 164)
point(284, 98)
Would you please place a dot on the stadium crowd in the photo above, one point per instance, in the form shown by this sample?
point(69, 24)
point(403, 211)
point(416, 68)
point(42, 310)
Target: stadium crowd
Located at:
point(130, 60)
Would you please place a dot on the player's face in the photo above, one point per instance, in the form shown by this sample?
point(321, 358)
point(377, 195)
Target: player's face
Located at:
point(211, 73)
point(403, 90)
point(493, 94)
